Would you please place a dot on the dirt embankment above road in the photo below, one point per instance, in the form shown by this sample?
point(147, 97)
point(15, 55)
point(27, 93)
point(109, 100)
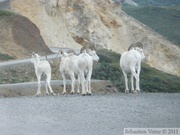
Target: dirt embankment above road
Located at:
point(19, 37)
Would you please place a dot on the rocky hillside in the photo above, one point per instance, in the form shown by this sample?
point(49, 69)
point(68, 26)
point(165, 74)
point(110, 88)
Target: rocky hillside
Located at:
point(19, 37)
point(71, 23)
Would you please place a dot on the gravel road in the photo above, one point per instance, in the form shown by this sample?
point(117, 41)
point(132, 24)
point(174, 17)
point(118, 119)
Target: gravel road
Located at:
point(99, 114)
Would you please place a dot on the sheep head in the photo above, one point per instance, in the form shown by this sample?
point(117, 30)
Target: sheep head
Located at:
point(91, 50)
point(137, 44)
point(87, 48)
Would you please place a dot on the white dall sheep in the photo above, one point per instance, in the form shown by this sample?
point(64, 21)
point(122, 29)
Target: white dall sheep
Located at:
point(84, 64)
point(67, 67)
point(130, 63)
point(80, 65)
point(42, 67)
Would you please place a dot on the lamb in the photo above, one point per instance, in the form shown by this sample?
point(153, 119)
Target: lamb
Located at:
point(130, 62)
point(42, 67)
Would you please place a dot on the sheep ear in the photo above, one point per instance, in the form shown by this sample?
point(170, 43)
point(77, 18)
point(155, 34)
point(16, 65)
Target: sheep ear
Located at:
point(33, 53)
point(59, 52)
point(82, 49)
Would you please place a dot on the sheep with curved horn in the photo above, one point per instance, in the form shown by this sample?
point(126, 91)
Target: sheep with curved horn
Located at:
point(137, 44)
point(42, 67)
point(88, 47)
point(81, 65)
point(130, 63)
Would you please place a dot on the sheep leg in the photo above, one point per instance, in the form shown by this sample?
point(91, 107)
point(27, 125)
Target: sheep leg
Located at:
point(138, 73)
point(82, 82)
point(72, 83)
point(137, 84)
point(48, 79)
point(126, 82)
point(78, 89)
point(47, 92)
point(89, 87)
point(132, 83)
point(64, 83)
point(39, 85)
point(88, 83)
point(136, 77)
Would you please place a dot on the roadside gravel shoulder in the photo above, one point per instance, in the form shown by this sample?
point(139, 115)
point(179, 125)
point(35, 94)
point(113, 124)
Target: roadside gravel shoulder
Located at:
point(99, 114)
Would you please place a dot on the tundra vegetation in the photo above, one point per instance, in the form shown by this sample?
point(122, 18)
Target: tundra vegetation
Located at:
point(4, 57)
point(5, 13)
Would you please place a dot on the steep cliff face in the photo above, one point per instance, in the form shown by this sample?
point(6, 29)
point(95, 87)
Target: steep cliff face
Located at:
point(72, 23)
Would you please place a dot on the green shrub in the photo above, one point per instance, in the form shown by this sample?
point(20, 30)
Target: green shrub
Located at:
point(5, 13)
point(5, 57)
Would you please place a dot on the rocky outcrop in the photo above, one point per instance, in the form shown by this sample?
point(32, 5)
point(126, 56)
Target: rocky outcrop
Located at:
point(72, 23)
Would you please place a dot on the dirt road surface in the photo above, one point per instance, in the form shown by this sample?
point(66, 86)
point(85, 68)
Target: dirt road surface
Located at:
point(99, 114)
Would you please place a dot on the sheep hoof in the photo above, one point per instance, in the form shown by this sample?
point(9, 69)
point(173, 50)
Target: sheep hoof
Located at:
point(127, 91)
point(38, 94)
point(53, 94)
point(89, 94)
point(134, 92)
point(64, 93)
point(138, 91)
point(78, 92)
point(72, 92)
point(83, 94)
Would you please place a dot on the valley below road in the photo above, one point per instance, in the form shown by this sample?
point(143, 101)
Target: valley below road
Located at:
point(99, 114)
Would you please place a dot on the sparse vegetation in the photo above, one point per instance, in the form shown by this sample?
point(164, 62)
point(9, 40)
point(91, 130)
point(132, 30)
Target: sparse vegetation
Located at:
point(5, 57)
point(5, 13)
point(151, 79)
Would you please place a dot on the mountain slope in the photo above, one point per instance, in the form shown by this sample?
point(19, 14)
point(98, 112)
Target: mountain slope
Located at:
point(164, 20)
point(19, 37)
point(157, 2)
point(72, 23)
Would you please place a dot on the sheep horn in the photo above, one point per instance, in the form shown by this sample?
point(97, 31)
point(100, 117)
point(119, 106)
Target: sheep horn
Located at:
point(82, 49)
point(71, 51)
point(92, 47)
point(138, 44)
